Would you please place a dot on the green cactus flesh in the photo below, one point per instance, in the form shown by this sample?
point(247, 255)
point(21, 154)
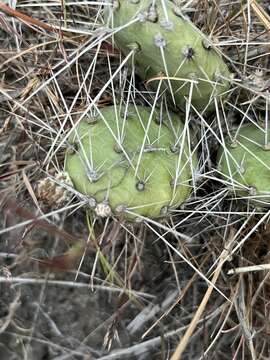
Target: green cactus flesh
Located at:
point(132, 163)
point(167, 45)
point(245, 164)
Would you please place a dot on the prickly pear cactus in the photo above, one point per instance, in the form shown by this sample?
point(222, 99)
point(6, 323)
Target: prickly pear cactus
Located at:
point(167, 45)
point(131, 163)
point(245, 164)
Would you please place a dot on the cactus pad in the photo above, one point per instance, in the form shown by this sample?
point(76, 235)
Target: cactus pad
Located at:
point(130, 162)
point(167, 45)
point(246, 164)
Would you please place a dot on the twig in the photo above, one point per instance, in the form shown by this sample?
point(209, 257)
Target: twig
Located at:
point(27, 19)
point(33, 281)
point(244, 269)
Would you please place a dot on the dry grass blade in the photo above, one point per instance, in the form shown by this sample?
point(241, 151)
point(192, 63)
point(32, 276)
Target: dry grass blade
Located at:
point(177, 355)
point(178, 300)
point(246, 269)
point(11, 207)
point(261, 13)
point(25, 18)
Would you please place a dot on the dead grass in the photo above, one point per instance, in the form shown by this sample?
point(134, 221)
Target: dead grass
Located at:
point(74, 286)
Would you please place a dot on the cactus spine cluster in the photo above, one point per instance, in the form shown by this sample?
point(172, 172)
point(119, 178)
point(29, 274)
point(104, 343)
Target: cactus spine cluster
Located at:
point(245, 163)
point(168, 46)
point(131, 162)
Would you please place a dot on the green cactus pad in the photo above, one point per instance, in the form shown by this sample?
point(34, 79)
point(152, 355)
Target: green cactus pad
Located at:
point(245, 164)
point(168, 45)
point(130, 163)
